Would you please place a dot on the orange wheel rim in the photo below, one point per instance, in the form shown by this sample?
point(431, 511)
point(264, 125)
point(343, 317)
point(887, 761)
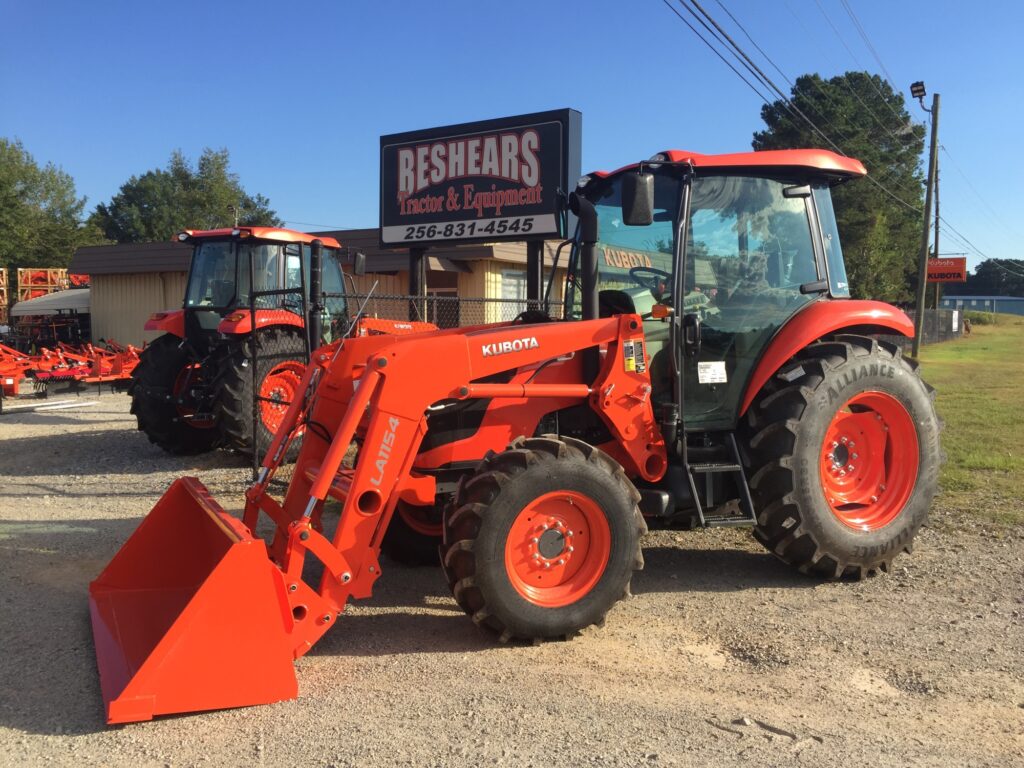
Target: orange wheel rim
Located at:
point(277, 391)
point(869, 461)
point(558, 548)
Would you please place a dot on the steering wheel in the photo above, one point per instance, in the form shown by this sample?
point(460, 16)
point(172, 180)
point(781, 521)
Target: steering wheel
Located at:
point(657, 281)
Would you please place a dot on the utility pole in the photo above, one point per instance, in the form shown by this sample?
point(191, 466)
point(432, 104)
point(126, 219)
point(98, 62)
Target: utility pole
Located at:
point(935, 244)
point(917, 89)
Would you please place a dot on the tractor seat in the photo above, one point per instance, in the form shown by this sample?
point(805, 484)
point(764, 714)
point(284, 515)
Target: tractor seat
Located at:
point(612, 302)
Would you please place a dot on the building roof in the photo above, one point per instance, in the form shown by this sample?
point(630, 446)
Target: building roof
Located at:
point(75, 299)
point(131, 258)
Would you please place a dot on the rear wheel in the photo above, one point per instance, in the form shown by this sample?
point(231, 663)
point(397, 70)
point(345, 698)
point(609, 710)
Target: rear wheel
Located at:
point(844, 458)
point(543, 540)
point(162, 402)
point(280, 356)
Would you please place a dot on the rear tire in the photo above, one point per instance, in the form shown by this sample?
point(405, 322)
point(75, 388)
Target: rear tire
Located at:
point(281, 356)
point(543, 540)
point(844, 458)
point(154, 390)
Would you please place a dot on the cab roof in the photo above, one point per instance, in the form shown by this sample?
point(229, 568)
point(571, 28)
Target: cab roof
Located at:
point(274, 234)
point(829, 163)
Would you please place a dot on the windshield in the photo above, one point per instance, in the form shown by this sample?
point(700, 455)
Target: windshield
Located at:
point(212, 280)
point(635, 264)
point(830, 238)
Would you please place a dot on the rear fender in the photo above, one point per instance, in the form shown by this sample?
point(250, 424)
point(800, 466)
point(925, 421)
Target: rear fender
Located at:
point(816, 321)
point(172, 321)
point(239, 322)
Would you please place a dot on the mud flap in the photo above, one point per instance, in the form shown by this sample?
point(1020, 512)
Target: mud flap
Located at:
point(190, 615)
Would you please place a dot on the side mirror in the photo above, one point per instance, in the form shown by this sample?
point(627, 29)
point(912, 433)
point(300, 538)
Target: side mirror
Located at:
point(638, 199)
point(359, 263)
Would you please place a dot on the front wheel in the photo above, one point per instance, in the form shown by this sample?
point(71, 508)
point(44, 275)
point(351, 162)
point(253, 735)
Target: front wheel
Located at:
point(413, 535)
point(844, 457)
point(280, 362)
point(543, 540)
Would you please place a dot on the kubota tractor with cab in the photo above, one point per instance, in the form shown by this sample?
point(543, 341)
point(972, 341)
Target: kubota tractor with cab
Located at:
point(193, 388)
point(708, 369)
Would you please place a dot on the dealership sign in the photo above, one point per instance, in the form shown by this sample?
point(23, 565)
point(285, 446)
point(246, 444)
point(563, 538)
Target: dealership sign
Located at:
point(947, 270)
point(488, 181)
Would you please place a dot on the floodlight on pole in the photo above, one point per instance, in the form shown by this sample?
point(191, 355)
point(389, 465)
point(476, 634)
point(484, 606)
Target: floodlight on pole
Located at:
point(918, 91)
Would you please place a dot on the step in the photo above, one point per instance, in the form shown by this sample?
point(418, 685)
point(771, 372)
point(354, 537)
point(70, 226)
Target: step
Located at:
point(340, 485)
point(720, 522)
point(715, 467)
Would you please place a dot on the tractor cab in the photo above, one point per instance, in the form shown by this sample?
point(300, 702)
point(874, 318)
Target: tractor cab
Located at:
point(716, 253)
point(229, 266)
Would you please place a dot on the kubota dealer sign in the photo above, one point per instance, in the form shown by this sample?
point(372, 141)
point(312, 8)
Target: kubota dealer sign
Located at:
point(947, 270)
point(486, 181)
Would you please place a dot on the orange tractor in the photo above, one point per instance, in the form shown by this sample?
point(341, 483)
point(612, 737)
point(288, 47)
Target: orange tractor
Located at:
point(196, 385)
point(708, 369)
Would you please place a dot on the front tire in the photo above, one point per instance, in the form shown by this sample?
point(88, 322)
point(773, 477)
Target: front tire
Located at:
point(413, 535)
point(543, 540)
point(844, 458)
point(281, 360)
point(161, 403)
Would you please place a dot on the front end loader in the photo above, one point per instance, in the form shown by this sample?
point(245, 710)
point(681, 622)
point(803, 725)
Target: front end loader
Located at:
point(708, 369)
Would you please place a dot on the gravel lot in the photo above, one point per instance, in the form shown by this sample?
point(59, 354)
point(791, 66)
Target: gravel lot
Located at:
point(724, 656)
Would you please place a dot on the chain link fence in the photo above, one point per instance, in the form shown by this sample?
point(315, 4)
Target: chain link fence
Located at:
point(939, 325)
point(450, 311)
point(446, 311)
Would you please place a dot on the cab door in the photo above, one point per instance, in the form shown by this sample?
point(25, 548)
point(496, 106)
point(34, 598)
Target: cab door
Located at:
point(749, 253)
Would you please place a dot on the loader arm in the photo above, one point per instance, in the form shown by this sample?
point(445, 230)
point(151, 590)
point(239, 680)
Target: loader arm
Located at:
point(385, 399)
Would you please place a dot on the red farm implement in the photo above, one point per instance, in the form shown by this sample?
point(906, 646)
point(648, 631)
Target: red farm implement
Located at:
point(66, 364)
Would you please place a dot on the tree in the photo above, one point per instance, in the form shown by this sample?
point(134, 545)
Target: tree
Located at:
point(40, 212)
point(164, 201)
point(859, 111)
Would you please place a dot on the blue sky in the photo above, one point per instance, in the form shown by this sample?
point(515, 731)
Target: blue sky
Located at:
point(300, 92)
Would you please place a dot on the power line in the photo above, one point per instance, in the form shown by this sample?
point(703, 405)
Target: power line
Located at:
point(995, 216)
point(792, 85)
point(751, 66)
point(787, 103)
point(737, 52)
point(311, 224)
point(715, 51)
point(867, 42)
point(885, 175)
point(854, 56)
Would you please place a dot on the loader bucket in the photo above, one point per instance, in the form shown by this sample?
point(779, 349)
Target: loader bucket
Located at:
point(190, 614)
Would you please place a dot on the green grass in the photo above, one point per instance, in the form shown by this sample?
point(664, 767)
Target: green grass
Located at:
point(979, 384)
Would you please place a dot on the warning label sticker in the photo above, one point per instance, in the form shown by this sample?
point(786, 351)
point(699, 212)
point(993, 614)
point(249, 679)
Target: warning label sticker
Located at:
point(711, 373)
point(633, 355)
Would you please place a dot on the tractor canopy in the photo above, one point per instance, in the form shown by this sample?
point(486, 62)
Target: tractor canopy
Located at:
point(229, 265)
point(761, 245)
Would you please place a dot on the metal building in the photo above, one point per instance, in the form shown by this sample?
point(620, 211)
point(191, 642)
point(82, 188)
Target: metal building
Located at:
point(131, 282)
